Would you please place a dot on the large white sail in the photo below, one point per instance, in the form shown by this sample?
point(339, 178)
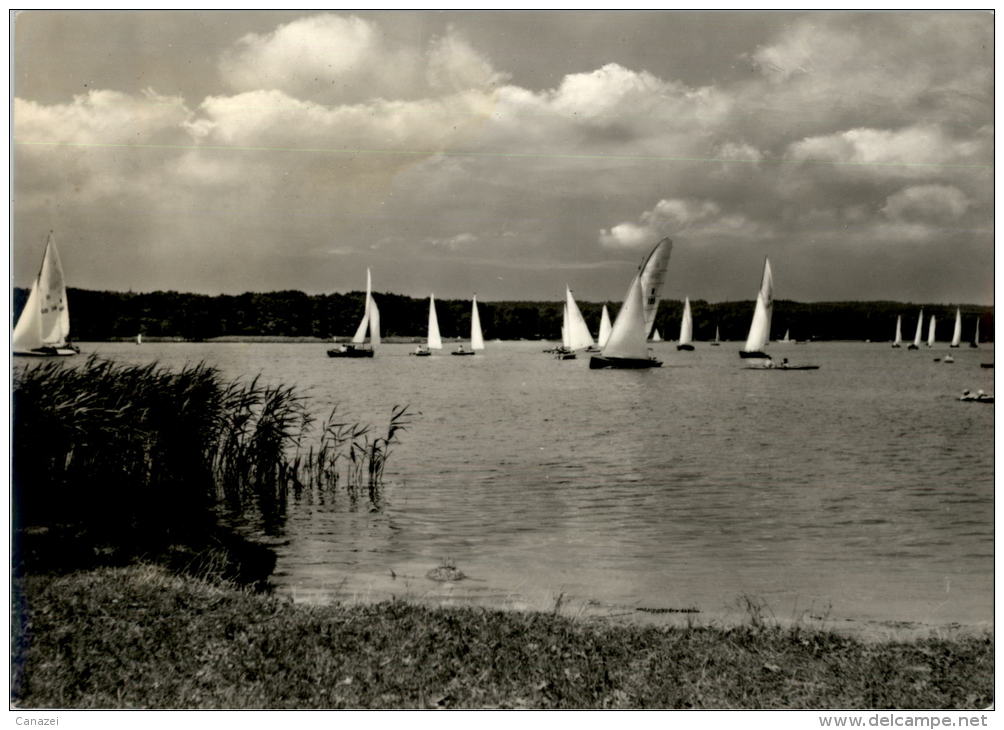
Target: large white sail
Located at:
point(930, 332)
point(435, 340)
point(717, 339)
point(686, 324)
point(652, 277)
point(604, 327)
point(374, 322)
point(656, 337)
point(477, 340)
point(957, 333)
point(579, 336)
point(920, 326)
point(565, 339)
point(628, 334)
point(759, 332)
point(45, 320)
point(976, 335)
point(899, 330)
point(360, 336)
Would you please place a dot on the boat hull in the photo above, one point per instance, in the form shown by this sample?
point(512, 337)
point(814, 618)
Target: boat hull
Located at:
point(896, 347)
point(422, 354)
point(598, 362)
point(48, 352)
point(783, 368)
point(351, 352)
point(688, 348)
point(565, 356)
point(462, 354)
point(912, 347)
point(756, 354)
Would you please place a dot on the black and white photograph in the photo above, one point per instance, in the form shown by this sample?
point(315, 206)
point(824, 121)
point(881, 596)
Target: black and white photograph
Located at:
point(502, 359)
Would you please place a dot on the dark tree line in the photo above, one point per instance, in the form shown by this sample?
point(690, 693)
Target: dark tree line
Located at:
point(104, 315)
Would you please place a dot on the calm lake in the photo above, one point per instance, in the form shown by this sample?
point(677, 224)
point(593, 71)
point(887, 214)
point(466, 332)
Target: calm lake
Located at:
point(862, 491)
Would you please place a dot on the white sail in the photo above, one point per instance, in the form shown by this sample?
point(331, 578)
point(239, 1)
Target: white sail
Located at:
point(435, 341)
point(920, 325)
point(477, 341)
point(139, 339)
point(565, 340)
point(759, 332)
point(716, 334)
point(787, 337)
point(604, 327)
point(930, 333)
point(976, 336)
point(578, 331)
point(628, 334)
point(899, 330)
point(957, 333)
point(374, 322)
point(360, 336)
point(45, 320)
point(656, 337)
point(652, 277)
point(686, 324)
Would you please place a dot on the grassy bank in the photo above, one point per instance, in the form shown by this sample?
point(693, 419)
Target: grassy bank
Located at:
point(140, 637)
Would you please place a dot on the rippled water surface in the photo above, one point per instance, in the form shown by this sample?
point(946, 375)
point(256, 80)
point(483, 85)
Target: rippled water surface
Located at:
point(862, 490)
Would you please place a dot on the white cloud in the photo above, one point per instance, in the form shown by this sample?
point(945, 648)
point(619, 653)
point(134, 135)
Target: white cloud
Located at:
point(666, 218)
point(461, 240)
point(910, 147)
point(926, 203)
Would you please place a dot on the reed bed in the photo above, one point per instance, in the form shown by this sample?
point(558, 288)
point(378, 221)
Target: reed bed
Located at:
point(134, 458)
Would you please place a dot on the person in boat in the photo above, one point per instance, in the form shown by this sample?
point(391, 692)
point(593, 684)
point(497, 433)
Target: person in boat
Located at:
point(784, 362)
point(460, 347)
point(967, 395)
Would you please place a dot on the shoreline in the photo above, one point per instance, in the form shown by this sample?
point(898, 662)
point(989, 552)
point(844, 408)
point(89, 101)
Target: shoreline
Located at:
point(145, 638)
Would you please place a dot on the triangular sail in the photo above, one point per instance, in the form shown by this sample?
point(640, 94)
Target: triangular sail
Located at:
point(930, 333)
point(360, 336)
point(435, 340)
point(787, 336)
point(656, 337)
point(578, 331)
point(976, 335)
point(716, 334)
point(604, 327)
point(899, 330)
point(477, 340)
point(627, 336)
point(652, 277)
point(920, 326)
point(760, 326)
point(957, 333)
point(374, 322)
point(565, 339)
point(45, 320)
point(686, 324)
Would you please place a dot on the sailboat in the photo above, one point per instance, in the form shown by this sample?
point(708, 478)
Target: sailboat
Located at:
point(433, 339)
point(717, 342)
point(370, 324)
point(574, 331)
point(957, 332)
point(786, 340)
point(759, 332)
point(627, 346)
point(930, 333)
point(976, 334)
point(686, 328)
point(44, 324)
point(898, 342)
point(915, 345)
point(604, 328)
point(477, 340)
point(139, 338)
point(656, 337)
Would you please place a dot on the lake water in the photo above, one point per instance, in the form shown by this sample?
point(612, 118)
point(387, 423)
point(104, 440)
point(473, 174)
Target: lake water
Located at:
point(862, 491)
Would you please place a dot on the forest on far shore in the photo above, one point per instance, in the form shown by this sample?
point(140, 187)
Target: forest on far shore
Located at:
point(107, 315)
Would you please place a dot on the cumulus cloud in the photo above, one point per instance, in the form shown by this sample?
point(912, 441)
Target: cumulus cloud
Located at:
point(910, 147)
point(666, 218)
point(926, 203)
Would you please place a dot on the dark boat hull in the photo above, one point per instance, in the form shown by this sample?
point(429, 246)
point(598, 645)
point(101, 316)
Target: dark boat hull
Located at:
point(462, 354)
point(782, 368)
point(688, 348)
point(598, 362)
point(756, 355)
point(986, 365)
point(351, 352)
point(912, 347)
point(65, 351)
point(896, 347)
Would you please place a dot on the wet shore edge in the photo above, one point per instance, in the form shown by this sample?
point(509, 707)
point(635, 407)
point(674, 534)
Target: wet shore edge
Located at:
point(197, 627)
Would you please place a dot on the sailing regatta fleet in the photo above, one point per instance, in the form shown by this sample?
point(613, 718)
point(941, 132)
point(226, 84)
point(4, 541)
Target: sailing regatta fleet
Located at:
point(44, 325)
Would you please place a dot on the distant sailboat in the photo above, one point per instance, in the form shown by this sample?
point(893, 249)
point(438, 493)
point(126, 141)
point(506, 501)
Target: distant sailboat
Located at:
point(930, 332)
point(717, 342)
point(786, 340)
point(898, 341)
point(44, 325)
point(627, 346)
point(686, 328)
point(976, 334)
point(656, 337)
point(477, 340)
point(574, 331)
point(370, 324)
point(759, 332)
point(604, 328)
point(139, 338)
point(957, 332)
point(915, 345)
point(433, 339)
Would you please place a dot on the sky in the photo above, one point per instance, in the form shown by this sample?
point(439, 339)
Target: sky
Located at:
point(507, 153)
